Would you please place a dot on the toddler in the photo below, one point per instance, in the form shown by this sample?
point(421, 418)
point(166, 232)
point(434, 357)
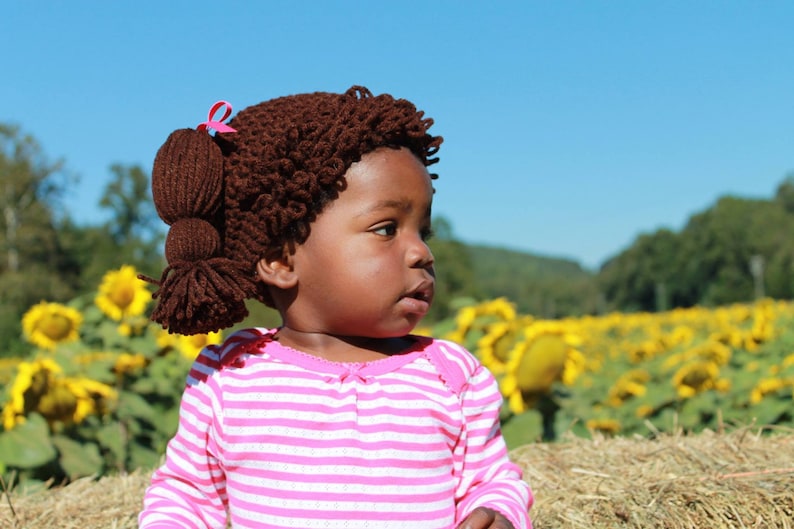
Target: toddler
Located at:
point(319, 206)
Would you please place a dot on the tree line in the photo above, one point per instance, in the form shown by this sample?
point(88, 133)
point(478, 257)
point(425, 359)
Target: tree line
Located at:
point(44, 254)
point(737, 250)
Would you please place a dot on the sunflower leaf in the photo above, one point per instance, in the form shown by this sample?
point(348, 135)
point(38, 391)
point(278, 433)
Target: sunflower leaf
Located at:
point(28, 445)
point(78, 459)
point(522, 429)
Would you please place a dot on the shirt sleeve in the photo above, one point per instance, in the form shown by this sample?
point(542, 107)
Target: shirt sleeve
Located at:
point(488, 477)
point(189, 490)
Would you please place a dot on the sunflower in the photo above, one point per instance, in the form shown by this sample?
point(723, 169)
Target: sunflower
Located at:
point(133, 326)
point(696, 377)
point(710, 351)
point(124, 329)
point(515, 400)
point(673, 361)
point(476, 319)
point(787, 362)
point(122, 294)
point(680, 335)
point(630, 384)
point(84, 359)
point(537, 362)
point(730, 336)
point(643, 411)
point(40, 387)
point(92, 398)
point(605, 426)
point(501, 342)
point(48, 324)
point(166, 340)
point(129, 363)
point(644, 351)
point(191, 346)
point(32, 380)
point(423, 330)
point(541, 364)
point(464, 319)
point(575, 365)
point(768, 386)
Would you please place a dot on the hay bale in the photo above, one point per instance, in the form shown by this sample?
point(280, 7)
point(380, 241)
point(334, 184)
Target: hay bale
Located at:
point(112, 502)
point(736, 479)
point(740, 479)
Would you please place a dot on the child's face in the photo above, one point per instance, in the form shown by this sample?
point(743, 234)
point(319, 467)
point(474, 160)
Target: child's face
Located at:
point(365, 269)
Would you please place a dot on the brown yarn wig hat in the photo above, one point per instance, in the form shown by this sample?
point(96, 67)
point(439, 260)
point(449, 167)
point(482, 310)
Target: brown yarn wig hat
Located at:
point(232, 198)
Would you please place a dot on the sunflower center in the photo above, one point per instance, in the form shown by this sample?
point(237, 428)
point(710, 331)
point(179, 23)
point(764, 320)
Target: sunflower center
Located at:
point(122, 296)
point(541, 364)
point(697, 377)
point(503, 346)
point(58, 404)
point(56, 326)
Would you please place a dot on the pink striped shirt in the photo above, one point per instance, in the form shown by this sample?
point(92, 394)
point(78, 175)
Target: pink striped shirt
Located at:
point(274, 438)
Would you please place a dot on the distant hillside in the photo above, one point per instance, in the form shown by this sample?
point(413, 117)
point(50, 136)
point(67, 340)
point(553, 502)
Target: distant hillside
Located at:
point(737, 250)
point(490, 259)
point(541, 286)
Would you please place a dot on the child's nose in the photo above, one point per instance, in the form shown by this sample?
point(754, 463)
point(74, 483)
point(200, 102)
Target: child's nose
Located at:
point(419, 255)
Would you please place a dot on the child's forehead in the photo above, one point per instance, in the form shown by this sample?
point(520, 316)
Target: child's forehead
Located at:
point(391, 177)
point(393, 163)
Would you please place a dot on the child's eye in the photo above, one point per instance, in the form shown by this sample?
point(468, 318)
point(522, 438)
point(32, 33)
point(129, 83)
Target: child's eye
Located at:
point(387, 230)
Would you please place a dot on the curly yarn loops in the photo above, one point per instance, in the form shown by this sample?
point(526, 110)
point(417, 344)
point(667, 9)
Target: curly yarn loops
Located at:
point(201, 297)
point(233, 198)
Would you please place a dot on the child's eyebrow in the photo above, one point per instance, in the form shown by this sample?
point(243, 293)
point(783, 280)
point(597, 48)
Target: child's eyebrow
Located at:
point(403, 205)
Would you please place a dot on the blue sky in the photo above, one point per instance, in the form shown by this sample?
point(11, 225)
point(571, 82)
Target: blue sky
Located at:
point(570, 127)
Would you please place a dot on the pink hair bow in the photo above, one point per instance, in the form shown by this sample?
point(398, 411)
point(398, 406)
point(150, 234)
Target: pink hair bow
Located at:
point(218, 125)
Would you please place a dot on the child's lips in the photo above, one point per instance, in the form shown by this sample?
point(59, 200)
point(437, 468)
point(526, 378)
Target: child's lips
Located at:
point(418, 299)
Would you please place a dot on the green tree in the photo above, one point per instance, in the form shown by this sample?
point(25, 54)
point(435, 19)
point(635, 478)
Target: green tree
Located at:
point(133, 234)
point(35, 265)
point(454, 272)
point(785, 193)
point(721, 243)
point(731, 252)
point(45, 255)
point(127, 197)
point(643, 277)
point(779, 273)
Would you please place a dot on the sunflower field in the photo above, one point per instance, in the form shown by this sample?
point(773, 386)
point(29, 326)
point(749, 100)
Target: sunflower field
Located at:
point(640, 373)
point(99, 391)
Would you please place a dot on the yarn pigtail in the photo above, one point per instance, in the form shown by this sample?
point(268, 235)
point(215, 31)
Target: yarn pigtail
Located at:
point(200, 290)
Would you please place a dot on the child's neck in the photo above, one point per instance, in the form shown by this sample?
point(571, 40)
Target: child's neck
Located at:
point(352, 349)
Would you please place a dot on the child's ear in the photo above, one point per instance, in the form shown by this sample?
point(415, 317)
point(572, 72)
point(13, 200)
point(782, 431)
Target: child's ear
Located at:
point(276, 269)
